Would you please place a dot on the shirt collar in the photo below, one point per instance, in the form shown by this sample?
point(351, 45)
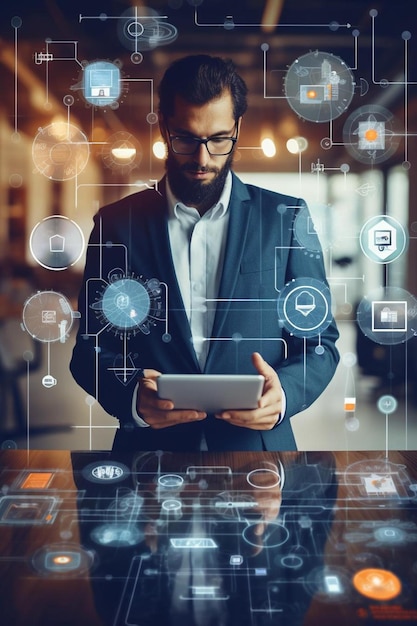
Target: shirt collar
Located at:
point(176, 207)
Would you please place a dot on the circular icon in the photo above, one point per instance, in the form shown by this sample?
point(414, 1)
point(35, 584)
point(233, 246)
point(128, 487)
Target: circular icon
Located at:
point(49, 381)
point(56, 242)
point(47, 316)
point(304, 307)
point(388, 316)
point(383, 239)
point(387, 404)
point(60, 151)
point(130, 304)
point(143, 29)
point(377, 584)
point(319, 86)
point(370, 134)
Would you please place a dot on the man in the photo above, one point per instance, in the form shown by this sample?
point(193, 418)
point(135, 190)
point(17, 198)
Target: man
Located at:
point(218, 252)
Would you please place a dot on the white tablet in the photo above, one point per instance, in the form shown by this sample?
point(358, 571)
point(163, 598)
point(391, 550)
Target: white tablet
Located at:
point(211, 392)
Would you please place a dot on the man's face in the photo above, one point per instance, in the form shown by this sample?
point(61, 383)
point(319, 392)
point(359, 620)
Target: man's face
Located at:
point(198, 179)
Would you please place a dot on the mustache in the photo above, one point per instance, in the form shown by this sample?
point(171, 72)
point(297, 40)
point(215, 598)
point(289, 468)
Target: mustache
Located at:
point(188, 167)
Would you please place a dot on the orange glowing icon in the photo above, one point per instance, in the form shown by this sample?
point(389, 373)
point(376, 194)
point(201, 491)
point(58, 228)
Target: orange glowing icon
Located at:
point(350, 404)
point(378, 584)
point(371, 134)
point(311, 94)
point(62, 559)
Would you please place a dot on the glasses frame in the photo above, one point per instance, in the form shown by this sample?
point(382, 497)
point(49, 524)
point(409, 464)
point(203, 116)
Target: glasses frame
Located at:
point(198, 142)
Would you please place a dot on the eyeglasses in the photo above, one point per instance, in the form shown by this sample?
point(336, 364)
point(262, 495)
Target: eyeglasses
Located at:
point(216, 146)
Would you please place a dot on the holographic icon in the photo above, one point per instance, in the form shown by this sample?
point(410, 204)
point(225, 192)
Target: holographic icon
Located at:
point(56, 242)
point(388, 316)
point(304, 307)
point(141, 29)
point(383, 239)
point(101, 83)
point(60, 151)
point(130, 304)
point(319, 86)
point(370, 134)
point(378, 584)
point(48, 317)
point(122, 152)
point(305, 302)
point(49, 381)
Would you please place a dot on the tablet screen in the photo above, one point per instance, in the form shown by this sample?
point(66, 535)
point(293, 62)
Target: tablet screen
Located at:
point(211, 392)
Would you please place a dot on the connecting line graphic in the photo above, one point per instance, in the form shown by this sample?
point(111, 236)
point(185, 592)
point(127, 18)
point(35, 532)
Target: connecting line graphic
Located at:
point(103, 17)
point(406, 36)
point(229, 23)
point(133, 185)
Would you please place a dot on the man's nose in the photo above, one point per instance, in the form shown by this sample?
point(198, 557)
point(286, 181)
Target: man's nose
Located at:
point(202, 155)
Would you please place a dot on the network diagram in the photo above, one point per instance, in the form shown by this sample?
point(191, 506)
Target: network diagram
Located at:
point(319, 88)
point(253, 540)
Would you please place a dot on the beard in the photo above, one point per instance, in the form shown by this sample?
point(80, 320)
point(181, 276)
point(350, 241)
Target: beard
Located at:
point(196, 193)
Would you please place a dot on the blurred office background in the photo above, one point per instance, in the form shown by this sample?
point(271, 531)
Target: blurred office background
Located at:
point(45, 51)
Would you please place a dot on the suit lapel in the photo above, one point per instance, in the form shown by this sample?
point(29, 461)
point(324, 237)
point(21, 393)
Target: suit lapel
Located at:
point(178, 324)
point(240, 211)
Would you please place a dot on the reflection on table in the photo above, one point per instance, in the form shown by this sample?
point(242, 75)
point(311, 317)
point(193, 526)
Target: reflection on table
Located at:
point(208, 539)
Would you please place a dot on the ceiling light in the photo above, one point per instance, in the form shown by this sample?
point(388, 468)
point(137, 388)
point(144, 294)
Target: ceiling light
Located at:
point(159, 149)
point(268, 147)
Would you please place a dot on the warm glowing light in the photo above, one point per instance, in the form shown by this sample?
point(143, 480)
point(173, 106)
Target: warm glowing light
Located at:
point(311, 94)
point(159, 149)
point(62, 560)
point(295, 145)
point(123, 153)
point(268, 147)
point(378, 584)
point(371, 134)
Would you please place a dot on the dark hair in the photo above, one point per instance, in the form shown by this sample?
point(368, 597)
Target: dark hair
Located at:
point(198, 79)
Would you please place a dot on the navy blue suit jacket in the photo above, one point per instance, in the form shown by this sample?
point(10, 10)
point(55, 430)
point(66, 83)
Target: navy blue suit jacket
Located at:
point(131, 237)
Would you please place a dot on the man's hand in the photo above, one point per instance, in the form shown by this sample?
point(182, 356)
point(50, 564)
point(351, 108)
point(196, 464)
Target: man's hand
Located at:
point(160, 413)
point(269, 406)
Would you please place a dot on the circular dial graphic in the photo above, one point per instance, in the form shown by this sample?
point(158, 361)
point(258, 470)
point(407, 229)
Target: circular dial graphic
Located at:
point(47, 316)
point(388, 316)
point(143, 29)
point(130, 304)
point(370, 135)
point(319, 86)
point(60, 151)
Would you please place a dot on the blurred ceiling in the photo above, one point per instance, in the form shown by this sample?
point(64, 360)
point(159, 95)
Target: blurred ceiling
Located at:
point(263, 37)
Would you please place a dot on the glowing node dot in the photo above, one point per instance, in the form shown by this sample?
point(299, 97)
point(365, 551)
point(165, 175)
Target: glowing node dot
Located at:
point(371, 134)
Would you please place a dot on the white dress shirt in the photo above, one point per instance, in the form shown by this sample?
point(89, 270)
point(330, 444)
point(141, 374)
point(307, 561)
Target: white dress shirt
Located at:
point(198, 245)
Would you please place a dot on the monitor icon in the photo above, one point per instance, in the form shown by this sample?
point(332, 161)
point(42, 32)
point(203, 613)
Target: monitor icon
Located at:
point(389, 316)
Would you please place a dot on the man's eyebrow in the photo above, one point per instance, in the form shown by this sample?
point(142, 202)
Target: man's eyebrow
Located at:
point(187, 133)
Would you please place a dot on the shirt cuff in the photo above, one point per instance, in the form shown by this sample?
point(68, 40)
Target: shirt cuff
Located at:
point(139, 421)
